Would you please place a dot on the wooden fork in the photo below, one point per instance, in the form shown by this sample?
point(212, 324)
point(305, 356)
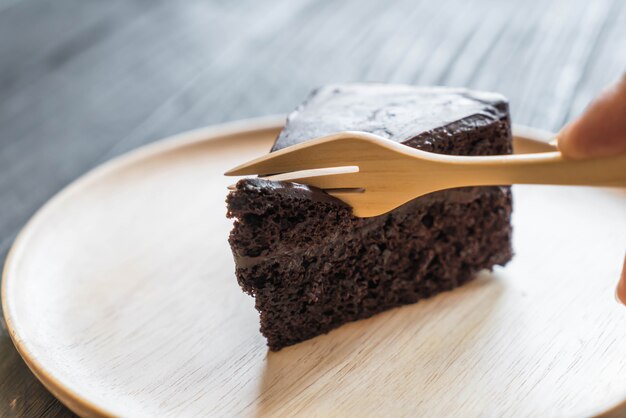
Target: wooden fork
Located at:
point(375, 175)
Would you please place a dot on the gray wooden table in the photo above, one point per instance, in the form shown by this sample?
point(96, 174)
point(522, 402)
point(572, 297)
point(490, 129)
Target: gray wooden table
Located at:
point(82, 81)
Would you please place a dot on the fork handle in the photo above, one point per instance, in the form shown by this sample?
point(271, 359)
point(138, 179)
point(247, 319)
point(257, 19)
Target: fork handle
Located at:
point(540, 168)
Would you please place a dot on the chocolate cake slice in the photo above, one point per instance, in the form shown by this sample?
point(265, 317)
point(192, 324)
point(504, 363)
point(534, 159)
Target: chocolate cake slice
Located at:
point(312, 266)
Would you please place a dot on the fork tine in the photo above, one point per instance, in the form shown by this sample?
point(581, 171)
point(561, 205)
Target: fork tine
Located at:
point(349, 179)
point(316, 172)
point(330, 151)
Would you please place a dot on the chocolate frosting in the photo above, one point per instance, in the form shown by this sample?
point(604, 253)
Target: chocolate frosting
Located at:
point(293, 190)
point(397, 112)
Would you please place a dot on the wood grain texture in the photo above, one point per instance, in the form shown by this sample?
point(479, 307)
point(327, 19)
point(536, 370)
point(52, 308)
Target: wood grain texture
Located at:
point(171, 333)
point(83, 81)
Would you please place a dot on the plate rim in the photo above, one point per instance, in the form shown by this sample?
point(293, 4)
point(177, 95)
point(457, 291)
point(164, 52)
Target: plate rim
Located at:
point(76, 402)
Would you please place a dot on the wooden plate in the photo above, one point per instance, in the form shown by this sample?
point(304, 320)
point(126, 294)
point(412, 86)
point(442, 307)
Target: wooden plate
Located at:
point(120, 295)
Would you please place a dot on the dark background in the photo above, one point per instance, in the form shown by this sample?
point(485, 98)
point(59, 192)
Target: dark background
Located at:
point(82, 81)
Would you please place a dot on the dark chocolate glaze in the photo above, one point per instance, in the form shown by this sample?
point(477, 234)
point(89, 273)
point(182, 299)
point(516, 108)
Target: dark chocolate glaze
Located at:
point(397, 112)
point(294, 190)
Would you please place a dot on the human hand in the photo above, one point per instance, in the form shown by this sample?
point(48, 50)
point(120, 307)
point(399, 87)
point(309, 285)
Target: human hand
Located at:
point(600, 131)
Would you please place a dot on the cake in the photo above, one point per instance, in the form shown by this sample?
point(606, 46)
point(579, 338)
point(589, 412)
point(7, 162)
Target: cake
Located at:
point(313, 266)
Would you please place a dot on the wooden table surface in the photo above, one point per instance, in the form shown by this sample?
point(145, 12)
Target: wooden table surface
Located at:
point(82, 81)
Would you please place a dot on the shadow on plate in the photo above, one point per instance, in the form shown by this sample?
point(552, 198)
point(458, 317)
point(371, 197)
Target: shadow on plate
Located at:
point(405, 348)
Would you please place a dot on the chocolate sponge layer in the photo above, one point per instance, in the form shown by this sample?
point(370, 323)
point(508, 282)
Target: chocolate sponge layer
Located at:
point(312, 266)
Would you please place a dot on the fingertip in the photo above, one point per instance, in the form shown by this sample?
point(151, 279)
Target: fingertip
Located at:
point(601, 130)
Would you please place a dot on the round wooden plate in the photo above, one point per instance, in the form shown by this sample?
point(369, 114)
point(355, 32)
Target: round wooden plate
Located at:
point(121, 297)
